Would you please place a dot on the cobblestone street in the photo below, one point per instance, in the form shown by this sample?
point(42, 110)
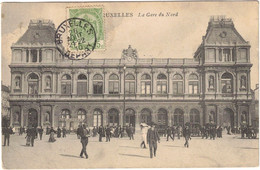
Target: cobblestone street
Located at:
point(123, 153)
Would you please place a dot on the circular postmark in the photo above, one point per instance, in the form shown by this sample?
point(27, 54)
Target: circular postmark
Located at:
point(75, 38)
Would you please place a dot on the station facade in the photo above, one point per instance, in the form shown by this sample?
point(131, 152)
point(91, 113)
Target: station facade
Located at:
point(50, 90)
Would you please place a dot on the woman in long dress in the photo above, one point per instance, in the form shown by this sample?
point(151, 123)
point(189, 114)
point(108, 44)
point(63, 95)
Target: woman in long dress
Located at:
point(52, 132)
point(144, 129)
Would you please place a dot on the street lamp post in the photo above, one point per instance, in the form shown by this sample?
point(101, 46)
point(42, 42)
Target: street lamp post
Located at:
point(124, 95)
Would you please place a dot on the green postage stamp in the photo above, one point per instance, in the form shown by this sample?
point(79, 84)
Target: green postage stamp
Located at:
point(94, 15)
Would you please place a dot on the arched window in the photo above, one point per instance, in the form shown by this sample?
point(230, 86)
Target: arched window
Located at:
point(113, 84)
point(47, 117)
point(193, 84)
point(65, 114)
point(211, 82)
point(66, 84)
point(129, 84)
point(243, 82)
point(178, 117)
point(113, 116)
point(177, 84)
point(194, 116)
point(146, 116)
point(81, 114)
point(227, 83)
point(97, 84)
point(98, 117)
point(161, 84)
point(47, 82)
point(130, 117)
point(17, 82)
point(146, 84)
point(162, 118)
point(33, 83)
point(82, 85)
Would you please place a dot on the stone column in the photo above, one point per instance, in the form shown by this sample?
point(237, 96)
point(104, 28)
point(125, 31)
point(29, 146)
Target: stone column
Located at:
point(74, 83)
point(121, 119)
point(29, 51)
point(231, 55)
point(105, 85)
point(52, 115)
point(137, 89)
point(58, 87)
point(21, 111)
point(88, 80)
point(38, 56)
point(169, 118)
point(153, 84)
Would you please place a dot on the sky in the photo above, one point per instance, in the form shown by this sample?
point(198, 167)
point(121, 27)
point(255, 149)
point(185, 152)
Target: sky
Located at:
point(158, 37)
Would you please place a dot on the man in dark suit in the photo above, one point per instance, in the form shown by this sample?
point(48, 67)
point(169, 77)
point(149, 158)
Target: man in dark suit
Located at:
point(169, 133)
point(40, 131)
point(7, 131)
point(84, 141)
point(173, 132)
point(100, 132)
point(131, 132)
point(152, 138)
point(108, 133)
point(33, 134)
point(186, 135)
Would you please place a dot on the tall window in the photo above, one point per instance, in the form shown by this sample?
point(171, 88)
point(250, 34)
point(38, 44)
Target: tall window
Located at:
point(211, 82)
point(113, 116)
point(243, 82)
point(33, 84)
point(193, 84)
point(146, 84)
point(194, 116)
point(81, 114)
point(98, 117)
point(66, 84)
point(161, 84)
point(212, 117)
point(17, 82)
point(146, 116)
point(34, 56)
point(129, 84)
point(178, 117)
point(227, 83)
point(177, 84)
point(65, 114)
point(82, 85)
point(113, 84)
point(98, 84)
point(162, 117)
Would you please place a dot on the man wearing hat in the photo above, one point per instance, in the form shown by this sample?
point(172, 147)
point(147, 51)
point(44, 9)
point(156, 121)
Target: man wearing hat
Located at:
point(152, 138)
point(186, 134)
point(84, 141)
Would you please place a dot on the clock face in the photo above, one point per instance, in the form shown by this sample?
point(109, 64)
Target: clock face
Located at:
point(129, 58)
point(223, 34)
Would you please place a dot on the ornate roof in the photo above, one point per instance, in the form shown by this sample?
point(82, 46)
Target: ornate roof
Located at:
point(38, 32)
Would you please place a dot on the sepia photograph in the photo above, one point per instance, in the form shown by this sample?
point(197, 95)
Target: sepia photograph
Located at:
point(130, 85)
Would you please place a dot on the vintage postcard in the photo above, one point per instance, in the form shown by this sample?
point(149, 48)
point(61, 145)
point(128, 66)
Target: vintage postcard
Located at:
point(130, 85)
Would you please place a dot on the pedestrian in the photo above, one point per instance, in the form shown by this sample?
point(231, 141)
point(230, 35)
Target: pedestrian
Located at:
point(79, 131)
point(47, 130)
point(108, 133)
point(52, 132)
point(131, 132)
point(20, 130)
point(100, 132)
point(40, 130)
point(28, 136)
point(84, 134)
point(173, 132)
point(33, 134)
point(214, 131)
point(187, 136)
point(144, 129)
point(202, 131)
point(94, 131)
point(178, 131)
point(64, 132)
point(219, 132)
point(7, 131)
point(169, 133)
point(121, 131)
point(58, 132)
point(152, 139)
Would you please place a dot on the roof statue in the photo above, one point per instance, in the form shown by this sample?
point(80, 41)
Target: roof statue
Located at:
point(129, 53)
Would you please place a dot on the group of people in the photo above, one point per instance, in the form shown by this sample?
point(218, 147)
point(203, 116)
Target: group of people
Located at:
point(211, 131)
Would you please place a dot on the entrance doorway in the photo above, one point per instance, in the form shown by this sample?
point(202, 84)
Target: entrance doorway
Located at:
point(228, 118)
point(113, 116)
point(146, 116)
point(32, 118)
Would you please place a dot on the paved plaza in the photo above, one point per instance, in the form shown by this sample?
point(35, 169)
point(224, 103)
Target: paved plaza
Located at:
point(229, 151)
